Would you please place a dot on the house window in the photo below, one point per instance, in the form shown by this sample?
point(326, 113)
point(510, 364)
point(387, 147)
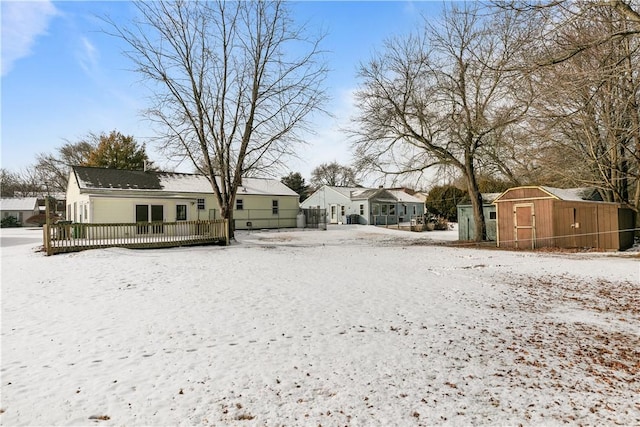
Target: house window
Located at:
point(361, 209)
point(274, 207)
point(384, 209)
point(392, 209)
point(239, 204)
point(492, 215)
point(415, 210)
point(404, 209)
point(181, 212)
point(200, 204)
point(342, 210)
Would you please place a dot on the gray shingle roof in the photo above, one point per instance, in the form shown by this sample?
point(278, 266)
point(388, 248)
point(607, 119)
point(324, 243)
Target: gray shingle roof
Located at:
point(102, 178)
point(380, 194)
point(116, 179)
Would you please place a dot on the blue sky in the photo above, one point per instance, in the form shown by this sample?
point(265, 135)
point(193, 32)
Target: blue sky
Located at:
point(63, 78)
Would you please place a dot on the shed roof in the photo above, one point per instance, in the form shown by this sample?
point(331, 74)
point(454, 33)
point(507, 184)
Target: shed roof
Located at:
point(489, 197)
point(575, 194)
point(565, 194)
point(18, 204)
point(90, 178)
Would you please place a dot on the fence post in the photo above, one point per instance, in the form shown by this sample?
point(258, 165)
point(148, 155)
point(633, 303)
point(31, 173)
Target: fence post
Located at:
point(46, 237)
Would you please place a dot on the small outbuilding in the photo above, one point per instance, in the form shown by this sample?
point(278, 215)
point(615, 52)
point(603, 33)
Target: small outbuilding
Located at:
point(466, 222)
point(537, 216)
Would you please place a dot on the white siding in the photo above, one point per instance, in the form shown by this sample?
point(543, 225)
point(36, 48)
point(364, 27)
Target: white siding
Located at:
point(76, 202)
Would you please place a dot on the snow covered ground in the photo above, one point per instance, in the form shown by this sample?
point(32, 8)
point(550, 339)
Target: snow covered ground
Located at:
point(355, 326)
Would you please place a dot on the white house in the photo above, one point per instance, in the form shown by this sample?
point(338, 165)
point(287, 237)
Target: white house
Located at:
point(19, 208)
point(99, 195)
point(358, 205)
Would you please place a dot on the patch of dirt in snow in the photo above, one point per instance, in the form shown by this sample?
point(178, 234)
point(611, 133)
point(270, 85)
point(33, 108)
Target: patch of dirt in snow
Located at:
point(584, 346)
point(277, 238)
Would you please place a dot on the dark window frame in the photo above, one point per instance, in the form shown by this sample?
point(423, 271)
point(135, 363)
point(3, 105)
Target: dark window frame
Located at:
point(181, 212)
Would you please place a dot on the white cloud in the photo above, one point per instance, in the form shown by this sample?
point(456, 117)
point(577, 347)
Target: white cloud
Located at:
point(88, 56)
point(22, 23)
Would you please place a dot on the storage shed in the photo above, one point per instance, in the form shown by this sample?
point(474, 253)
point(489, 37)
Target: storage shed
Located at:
point(466, 223)
point(537, 216)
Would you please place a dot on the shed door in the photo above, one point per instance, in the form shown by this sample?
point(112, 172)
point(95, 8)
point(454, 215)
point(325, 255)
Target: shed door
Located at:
point(525, 226)
point(583, 227)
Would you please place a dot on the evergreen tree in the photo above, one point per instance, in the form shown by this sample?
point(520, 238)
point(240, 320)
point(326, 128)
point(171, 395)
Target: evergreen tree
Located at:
point(443, 201)
point(295, 181)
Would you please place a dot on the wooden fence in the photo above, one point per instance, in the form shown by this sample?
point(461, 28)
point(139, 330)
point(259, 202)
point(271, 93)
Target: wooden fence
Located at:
point(65, 237)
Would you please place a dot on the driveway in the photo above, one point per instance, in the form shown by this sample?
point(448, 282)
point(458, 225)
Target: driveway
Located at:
point(20, 236)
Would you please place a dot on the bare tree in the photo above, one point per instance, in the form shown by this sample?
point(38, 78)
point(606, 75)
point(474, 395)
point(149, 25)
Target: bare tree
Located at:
point(588, 104)
point(23, 183)
point(555, 16)
point(233, 84)
point(53, 168)
point(440, 98)
point(333, 174)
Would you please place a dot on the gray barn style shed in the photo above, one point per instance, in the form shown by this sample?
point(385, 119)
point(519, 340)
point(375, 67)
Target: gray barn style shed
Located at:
point(466, 223)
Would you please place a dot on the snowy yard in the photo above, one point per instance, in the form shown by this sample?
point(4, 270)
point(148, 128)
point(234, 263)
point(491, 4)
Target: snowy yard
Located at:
point(355, 326)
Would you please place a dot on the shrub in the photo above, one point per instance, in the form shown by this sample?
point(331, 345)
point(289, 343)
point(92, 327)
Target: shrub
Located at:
point(10, 221)
point(440, 224)
point(41, 219)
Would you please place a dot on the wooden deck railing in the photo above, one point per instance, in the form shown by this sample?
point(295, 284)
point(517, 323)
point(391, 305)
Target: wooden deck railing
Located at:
point(60, 238)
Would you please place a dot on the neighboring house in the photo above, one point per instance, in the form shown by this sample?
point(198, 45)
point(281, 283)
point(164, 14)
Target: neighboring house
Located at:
point(19, 208)
point(532, 217)
point(466, 222)
point(359, 205)
point(98, 195)
point(58, 206)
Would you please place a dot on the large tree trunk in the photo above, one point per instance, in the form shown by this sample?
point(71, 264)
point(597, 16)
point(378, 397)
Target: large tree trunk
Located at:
point(226, 212)
point(233, 84)
point(476, 200)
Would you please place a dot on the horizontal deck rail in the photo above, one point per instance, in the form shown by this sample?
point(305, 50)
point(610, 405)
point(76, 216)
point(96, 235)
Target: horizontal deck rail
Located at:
point(60, 238)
